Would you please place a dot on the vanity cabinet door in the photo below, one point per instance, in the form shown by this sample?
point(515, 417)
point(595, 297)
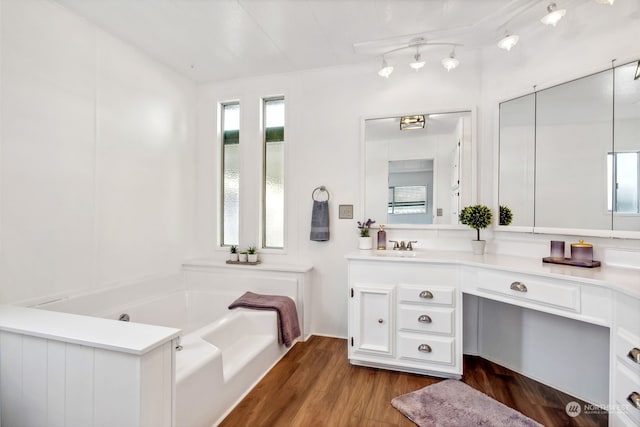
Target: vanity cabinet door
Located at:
point(372, 317)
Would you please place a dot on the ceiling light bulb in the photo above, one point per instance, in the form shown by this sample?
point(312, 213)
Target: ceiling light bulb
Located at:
point(508, 41)
point(605, 1)
point(417, 64)
point(553, 15)
point(385, 70)
point(451, 62)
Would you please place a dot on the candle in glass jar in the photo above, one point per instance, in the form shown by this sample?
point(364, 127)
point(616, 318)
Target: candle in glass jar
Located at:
point(557, 249)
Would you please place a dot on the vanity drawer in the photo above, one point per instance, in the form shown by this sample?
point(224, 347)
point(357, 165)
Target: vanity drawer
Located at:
point(530, 289)
point(627, 386)
point(627, 349)
point(427, 319)
point(432, 295)
point(426, 349)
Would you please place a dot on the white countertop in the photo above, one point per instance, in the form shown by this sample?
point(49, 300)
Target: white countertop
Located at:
point(126, 337)
point(626, 280)
point(263, 266)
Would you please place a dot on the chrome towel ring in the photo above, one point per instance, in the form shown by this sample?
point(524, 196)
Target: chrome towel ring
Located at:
point(321, 188)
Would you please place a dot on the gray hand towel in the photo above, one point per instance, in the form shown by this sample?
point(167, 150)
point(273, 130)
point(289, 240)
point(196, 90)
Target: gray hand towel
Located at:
point(320, 221)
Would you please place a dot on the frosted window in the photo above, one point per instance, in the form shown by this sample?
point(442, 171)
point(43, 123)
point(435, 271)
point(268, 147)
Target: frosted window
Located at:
point(230, 174)
point(273, 206)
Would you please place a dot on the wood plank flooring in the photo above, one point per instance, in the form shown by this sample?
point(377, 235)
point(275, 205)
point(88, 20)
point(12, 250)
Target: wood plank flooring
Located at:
point(314, 385)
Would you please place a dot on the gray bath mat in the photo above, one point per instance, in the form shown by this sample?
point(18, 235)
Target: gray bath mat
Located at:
point(452, 403)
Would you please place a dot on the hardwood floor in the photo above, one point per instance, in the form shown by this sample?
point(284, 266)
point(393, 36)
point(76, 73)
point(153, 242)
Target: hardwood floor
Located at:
point(314, 385)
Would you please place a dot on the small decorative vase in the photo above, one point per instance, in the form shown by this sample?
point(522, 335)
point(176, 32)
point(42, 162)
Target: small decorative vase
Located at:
point(477, 246)
point(252, 257)
point(242, 257)
point(233, 257)
point(365, 243)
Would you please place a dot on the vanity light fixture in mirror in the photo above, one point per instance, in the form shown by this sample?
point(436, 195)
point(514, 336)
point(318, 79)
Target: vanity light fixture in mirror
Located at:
point(420, 177)
point(412, 122)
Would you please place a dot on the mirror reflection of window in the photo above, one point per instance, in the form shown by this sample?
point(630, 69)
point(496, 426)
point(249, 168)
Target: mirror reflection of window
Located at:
point(410, 191)
point(623, 196)
point(408, 200)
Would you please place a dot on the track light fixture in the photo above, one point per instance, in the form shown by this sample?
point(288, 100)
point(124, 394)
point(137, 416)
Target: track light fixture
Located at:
point(553, 15)
point(385, 69)
point(508, 41)
point(451, 61)
point(417, 63)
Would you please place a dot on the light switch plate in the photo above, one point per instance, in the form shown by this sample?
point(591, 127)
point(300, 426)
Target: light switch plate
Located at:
point(345, 211)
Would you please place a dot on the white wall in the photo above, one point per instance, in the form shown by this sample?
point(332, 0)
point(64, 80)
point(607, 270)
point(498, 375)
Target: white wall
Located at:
point(94, 140)
point(323, 136)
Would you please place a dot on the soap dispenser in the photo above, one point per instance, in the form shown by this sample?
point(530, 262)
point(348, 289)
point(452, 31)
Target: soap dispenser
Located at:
point(382, 238)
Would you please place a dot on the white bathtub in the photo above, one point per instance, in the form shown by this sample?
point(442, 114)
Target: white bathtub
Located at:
point(224, 352)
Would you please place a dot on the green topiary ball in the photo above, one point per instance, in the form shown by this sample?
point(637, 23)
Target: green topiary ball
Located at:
point(506, 216)
point(476, 217)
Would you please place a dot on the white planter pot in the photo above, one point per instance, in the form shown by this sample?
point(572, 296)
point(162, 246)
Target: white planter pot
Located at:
point(242, 257)
point(233, 257)
point(252, 257)
point(365, 243)
point(477, 246)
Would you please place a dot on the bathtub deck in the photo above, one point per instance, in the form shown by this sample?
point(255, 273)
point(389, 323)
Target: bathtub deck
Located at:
point(314, 384)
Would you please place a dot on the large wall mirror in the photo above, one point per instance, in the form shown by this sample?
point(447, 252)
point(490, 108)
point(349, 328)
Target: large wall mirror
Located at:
point(570, 155)
point(417, 168)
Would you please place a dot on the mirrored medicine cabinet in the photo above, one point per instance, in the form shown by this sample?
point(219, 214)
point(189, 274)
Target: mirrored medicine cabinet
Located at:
point(418, 169)
point(569, 155)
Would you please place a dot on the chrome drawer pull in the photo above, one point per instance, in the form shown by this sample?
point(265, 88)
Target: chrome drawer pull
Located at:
point(424, 348)
point(634, 354)
point(424, 319)
point(634, 399)
point(518, 286)
point(426, 295)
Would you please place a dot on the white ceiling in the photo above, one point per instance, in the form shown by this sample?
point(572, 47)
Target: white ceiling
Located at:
point(210, 40)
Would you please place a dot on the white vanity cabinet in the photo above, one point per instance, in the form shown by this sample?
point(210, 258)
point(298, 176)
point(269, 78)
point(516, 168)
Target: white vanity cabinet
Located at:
point(577, 330)
point(405, 317)
point(625, 336)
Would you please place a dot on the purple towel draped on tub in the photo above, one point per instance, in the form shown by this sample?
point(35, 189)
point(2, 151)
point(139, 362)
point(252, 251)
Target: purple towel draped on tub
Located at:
point(288, 326)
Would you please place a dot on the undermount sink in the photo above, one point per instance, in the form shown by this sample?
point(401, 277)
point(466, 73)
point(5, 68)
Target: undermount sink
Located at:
point(401, 254)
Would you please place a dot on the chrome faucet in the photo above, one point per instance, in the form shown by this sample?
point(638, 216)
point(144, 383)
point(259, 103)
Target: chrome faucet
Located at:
point(402, 246)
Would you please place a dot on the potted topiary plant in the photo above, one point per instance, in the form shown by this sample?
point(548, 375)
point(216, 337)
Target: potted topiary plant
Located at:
point(233, 255)
point(506, 216)
point(252, 256)
point(476, 217)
